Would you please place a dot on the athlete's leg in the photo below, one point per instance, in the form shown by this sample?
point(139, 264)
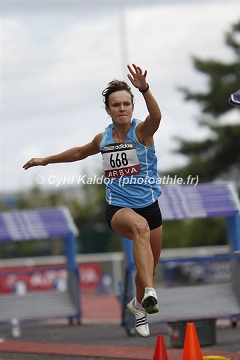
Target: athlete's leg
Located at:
point(156, 246)
point(131, 225)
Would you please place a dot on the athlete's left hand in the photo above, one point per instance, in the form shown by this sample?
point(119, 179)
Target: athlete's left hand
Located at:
point(137, 77)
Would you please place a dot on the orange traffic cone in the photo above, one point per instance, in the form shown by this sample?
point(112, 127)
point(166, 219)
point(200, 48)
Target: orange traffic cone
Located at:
point(191, 350)
point(160, 352)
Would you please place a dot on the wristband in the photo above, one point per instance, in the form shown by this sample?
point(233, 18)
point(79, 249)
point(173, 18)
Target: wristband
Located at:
point(144, 90)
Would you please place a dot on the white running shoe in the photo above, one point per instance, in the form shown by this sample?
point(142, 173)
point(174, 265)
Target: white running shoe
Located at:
point(141, 325)
point(150, 301)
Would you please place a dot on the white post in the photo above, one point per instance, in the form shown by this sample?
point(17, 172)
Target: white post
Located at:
point(122, 36)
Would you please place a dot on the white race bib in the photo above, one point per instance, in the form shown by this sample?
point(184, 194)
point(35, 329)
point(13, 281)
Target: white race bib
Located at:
point(120, 159)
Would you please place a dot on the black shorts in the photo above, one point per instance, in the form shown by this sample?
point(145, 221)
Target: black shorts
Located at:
point(151, 213)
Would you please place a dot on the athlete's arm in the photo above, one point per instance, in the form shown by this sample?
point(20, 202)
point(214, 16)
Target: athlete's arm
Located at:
point(152, 121)
point(147, 128)
point(73, 154)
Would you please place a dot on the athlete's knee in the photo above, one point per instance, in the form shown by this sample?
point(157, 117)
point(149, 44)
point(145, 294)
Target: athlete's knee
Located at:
point(141, 227)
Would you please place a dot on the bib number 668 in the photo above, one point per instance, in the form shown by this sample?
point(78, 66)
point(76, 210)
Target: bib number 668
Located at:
point(119, 160)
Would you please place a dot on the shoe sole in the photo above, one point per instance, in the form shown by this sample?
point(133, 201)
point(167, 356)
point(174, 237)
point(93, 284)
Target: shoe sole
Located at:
point(138, 334)
point(150, 304)
point(145, 336)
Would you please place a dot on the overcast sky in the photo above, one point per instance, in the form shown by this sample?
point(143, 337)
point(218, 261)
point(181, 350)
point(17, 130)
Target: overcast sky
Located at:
point(57, 57)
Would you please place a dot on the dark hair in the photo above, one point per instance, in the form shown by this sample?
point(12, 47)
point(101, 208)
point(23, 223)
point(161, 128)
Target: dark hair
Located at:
point(115, 85)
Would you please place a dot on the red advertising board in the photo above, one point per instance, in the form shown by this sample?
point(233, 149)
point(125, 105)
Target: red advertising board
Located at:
point(22, 279)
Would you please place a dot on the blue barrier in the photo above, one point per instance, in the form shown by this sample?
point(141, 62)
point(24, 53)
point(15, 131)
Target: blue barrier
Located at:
point(35, 224)
point(189, 202)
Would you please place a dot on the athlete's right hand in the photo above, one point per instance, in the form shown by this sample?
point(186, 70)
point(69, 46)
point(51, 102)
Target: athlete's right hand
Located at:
point(35, 162)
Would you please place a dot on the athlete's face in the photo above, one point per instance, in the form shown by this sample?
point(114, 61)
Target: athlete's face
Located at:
point(120, 107)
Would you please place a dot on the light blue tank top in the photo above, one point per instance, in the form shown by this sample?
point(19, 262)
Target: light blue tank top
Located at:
point(130, 168)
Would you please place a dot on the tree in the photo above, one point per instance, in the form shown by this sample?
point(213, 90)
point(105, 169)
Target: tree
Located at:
point(219, 154)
